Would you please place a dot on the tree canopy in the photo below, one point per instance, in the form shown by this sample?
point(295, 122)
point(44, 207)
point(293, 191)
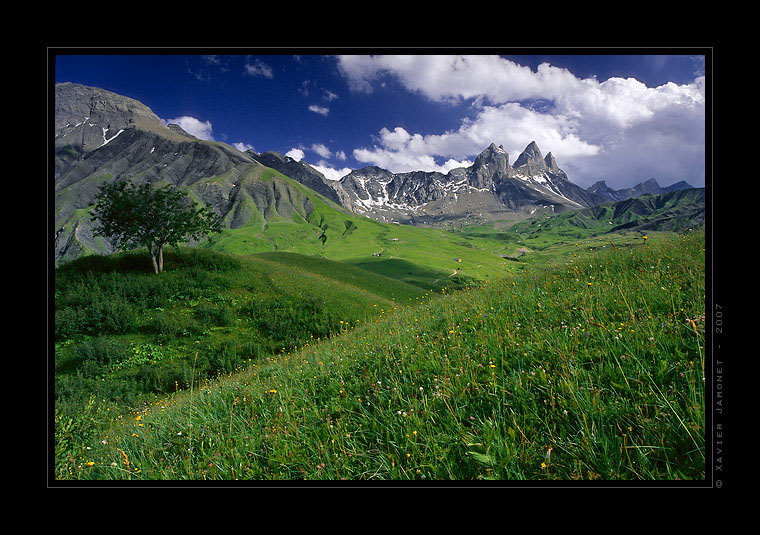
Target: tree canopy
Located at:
point(132, 216)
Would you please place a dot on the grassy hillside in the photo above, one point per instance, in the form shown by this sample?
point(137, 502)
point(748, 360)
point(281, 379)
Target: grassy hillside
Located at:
point(124, 335)
point(591, 368)
point(416, 255)
point(543, 238)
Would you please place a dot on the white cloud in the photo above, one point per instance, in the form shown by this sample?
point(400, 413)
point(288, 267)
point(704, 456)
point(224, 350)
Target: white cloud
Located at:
point(322, 150)
point(618, 130)
point(193, 126)
point(509, 125)
point(242, 147)
point(296, 154)
point(401, 152)
point(258, 68)
point(454, 77)
point(319, 109)
point(323, 167)
point(330, 172)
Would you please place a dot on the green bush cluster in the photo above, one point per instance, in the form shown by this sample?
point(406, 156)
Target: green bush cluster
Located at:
point(109, 294)
point(289, 321)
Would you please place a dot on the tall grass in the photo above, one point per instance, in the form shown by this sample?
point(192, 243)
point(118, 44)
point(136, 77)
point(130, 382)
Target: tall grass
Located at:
point(125, 337)
point(592, 369)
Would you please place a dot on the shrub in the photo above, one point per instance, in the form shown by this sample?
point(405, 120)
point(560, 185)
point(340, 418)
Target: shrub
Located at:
point(290, 321)
point(67, 324)
point(109, 316)
point(204, 259)
point(102, 351)
point(209, 314)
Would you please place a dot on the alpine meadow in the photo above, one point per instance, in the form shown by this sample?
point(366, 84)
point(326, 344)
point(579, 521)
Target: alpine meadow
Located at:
point(224, 314)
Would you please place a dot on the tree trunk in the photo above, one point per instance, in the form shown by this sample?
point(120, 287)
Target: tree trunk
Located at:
point(153, 259)
point(160, 258)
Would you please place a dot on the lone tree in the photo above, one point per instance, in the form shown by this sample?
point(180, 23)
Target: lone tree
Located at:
point(142, 216)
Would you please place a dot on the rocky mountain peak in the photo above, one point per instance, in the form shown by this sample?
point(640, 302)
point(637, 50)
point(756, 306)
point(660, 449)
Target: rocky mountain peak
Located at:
point(551, 163)
point(532, 158)
point(492, 152)
point(598, 186)
point(87, 118)
point(490, 165)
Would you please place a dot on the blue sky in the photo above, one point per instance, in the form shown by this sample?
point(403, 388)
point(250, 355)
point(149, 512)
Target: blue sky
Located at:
point(619, 118)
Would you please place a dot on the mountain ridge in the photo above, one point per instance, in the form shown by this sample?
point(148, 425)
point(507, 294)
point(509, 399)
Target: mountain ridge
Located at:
point(489, 189)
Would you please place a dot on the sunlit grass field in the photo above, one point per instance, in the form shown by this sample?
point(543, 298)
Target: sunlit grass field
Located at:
point(588, 367)
point(332, 233)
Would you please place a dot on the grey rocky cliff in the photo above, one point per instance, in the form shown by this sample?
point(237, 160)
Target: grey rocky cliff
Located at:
point(490, 166)
point(489, 189)
point(86, 118)
point(530, 162)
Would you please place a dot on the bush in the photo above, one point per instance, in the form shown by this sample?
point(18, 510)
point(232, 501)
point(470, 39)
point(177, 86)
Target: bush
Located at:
point(209, 314)
point(200, 258)
point(289, 321)
point(163, 379)
point(102, 351)
point(168, 326)
point(109, 316)
point(67, 324)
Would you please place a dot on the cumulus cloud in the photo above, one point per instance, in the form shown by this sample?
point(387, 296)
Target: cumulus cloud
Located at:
point(618, 130)
point(453, 77)
point(296, 154)
point(330, 172)
point(194, 127)
point(399, 151)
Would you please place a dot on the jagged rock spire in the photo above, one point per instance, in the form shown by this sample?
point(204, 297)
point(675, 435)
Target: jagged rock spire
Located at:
point(551, 163)
point(531, 156)
point(491, 165)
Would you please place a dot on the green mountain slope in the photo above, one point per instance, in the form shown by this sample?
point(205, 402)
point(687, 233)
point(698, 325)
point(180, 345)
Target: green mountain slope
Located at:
point(326, 230)
point(677, 210)
point(549, 238)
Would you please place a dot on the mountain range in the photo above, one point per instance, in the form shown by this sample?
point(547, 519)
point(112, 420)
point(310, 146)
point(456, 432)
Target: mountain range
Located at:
point(489, 189)
point(102, 136)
